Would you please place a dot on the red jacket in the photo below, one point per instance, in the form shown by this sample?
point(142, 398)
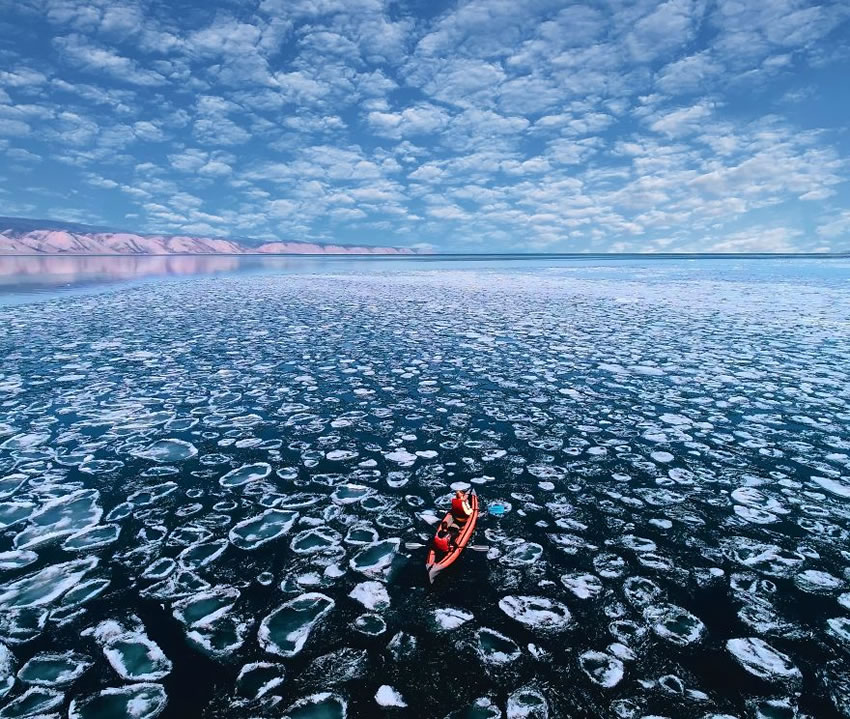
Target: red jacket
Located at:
point(458, 508)
point(441, 543)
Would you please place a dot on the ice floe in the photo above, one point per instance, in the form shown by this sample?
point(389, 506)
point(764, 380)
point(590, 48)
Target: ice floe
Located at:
point(539, 613)
point(202, 554)
point(372, 595)
point(60, 517)
point(93, 537)
point(34, 702)
point(760, 659)
point(817, 582)
point(51, 669)
point(386, 696)
point(448, 618)
point(370, 624)
point(130, 652)
point(584, 586)
point(85, 591)
point(833, 486)
point(254, 532)
point(133, 701)
point(839, 628)
point(313, 541)
point(603, 669)
point(324, 705)
point(287, 628)
point(257, 679)
point(168, 450)
point(375, 559)
point(245, 474)
point(527, 703)
point(46, 585)
point(496, 648)
point(204, 608)
point(7, 670)
point(523, 553)
point(675, 624)
point(17, 559)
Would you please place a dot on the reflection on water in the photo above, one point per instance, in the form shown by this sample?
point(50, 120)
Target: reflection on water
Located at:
point(16, 272)
point(32, 278)
point(23, 277)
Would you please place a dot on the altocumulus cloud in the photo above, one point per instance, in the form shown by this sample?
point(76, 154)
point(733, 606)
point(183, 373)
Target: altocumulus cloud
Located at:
point(633, 125)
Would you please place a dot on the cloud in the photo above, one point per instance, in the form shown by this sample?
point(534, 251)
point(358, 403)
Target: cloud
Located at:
point(668, 27)
point(121, 19)
point(532, 94)
point(219, 131)
point(202, 163)
point(417, 120)
point(18, 154)
point(76, 129)
point(347, 214)
point(429, 172)
point(148, 131)
point(13, 128)
point(639, 124)
point(22, 77)
point(300, 88)
point(465, 82)
point(76, 50)
point(683, 121)
point(225, 37)
point(572, 152)
point(281, 208)
point(837, 227)
point(759, 239)
point(101, 182)
point(689, 74)
point(121, 101)
point(79, 15)
point(748, 32)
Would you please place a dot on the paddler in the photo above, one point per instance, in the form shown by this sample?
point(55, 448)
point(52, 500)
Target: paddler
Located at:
point(444, 540)
point(461, 511)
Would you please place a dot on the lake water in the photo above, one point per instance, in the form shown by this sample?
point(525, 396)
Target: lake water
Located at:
point(25, 279)
point(210, 468)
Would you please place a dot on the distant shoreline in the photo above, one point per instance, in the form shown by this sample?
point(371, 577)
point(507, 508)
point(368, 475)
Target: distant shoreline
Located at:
point(461, 255)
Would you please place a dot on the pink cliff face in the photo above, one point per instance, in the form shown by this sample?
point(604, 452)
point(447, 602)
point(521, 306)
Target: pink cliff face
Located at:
point(59, 242)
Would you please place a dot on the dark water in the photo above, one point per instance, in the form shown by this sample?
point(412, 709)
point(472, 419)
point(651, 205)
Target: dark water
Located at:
point(668, 443)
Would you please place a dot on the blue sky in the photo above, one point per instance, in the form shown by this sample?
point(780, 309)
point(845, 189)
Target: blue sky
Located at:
point(489, 125)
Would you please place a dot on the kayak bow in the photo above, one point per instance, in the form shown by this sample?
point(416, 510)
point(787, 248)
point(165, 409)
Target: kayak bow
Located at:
point(433, 566)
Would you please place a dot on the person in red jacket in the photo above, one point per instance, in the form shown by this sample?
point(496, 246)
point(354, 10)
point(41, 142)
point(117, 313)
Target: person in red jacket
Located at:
point(461, 511)
point(444, 540)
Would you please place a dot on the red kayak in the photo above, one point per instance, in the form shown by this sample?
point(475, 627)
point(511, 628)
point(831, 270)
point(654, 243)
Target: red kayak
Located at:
point(433, 566)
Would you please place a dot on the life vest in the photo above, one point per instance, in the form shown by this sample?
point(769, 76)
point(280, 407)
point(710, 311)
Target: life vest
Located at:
point(441, 543)
point(458, 510)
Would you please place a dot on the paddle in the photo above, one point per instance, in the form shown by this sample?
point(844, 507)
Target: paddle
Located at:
point(473, 547)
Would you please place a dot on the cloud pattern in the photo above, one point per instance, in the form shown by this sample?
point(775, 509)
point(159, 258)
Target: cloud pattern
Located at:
point(481, 125)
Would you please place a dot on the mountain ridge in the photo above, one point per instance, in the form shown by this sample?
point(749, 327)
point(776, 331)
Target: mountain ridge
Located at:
point(25, 236)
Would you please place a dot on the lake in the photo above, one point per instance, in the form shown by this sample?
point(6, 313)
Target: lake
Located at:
point(210, 468)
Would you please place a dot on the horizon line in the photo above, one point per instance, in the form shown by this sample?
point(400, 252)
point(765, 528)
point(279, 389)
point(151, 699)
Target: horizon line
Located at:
point(427, 255)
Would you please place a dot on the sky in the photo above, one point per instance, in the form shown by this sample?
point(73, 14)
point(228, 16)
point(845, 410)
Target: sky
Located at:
point(472, 126)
